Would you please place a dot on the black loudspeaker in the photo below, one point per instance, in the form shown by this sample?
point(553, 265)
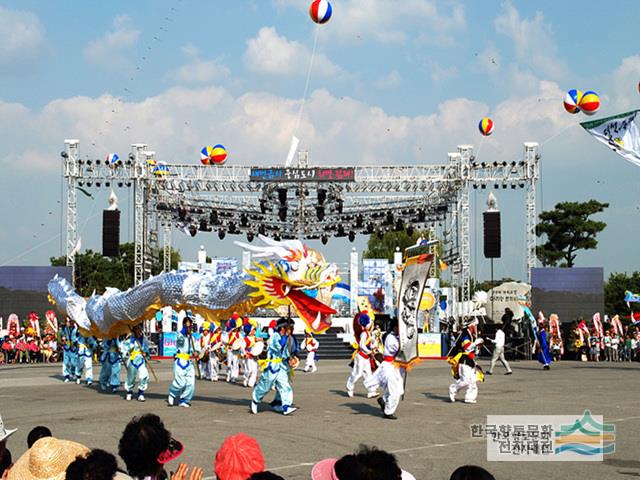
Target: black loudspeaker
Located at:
point(491, 234)
point(111, 233)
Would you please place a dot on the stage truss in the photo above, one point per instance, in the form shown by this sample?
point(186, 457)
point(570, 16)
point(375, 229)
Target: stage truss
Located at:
point(303, 202)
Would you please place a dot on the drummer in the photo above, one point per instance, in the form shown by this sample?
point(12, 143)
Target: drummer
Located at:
point(216, 352)
point(311, 345)
point(205, 342)
point(251, 349)
point(234, 346)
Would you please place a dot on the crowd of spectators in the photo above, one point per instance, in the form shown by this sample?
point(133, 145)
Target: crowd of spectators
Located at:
point(31, 340)
point(146, 448)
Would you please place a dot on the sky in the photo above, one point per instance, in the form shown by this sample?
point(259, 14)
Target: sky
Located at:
point(391, 83)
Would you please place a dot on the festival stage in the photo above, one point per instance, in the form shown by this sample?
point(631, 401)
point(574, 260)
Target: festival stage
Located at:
point(430, 438)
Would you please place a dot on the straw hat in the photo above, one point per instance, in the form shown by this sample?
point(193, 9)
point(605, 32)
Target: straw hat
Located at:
point(47, 459)
point(5, 432)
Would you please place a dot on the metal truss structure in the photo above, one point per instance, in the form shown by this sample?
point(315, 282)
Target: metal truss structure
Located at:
point(234, 200)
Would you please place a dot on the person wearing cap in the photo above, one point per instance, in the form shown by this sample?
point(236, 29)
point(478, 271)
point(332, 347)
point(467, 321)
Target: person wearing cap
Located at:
point(110, 359)
point(233, 348)
point(70, 350)
point(238, 458)
point(250, 361)
point(276, 371)
point(47, 459)
point(204, 356)
point(362, 356)
point(5, 454)
point(360, 465)
point(135, 351)
point(311, 345)
point(464, 368)
point(184, 372)
point(86, 347)
point(217, 344)
point(388, 375)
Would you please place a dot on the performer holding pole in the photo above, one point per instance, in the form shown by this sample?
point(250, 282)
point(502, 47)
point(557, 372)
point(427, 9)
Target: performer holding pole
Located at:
point(86, 347)
point(70, 350)
point(464, 368)
point(135, 349)
point(184, 368)
point(276, 371)
point(110, 371)
point(363, 355)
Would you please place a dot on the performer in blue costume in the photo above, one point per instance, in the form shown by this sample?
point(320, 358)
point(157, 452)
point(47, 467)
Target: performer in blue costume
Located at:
point(280, 359)
point(544, 356)
point(184, 374)
point(86, 347)
point(135, 350)
point(110, 359)
point(69, 337)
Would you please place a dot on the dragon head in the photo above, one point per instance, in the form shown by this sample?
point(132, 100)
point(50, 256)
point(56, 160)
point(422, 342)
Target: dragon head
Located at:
point(297, 277)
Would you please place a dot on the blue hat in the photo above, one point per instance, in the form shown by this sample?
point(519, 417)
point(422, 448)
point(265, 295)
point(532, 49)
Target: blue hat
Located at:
point(364, 320)
point(247, 328)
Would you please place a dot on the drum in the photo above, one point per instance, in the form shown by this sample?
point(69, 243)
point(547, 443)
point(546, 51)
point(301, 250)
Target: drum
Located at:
point(257, 349)
point(309, 347)
point(236, 345)
point(294, 362)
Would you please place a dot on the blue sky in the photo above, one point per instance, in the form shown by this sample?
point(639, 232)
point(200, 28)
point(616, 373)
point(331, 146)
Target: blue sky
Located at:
point(393, 82)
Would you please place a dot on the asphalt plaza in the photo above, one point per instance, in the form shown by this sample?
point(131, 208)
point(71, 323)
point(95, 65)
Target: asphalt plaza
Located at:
point(430, 438)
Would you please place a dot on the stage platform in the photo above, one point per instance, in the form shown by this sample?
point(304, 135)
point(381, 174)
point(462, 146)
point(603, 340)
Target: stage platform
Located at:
point(430, 439)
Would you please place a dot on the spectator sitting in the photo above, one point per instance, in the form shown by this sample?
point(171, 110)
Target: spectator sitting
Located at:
point(47, 459)
point(471, 472)
point(366, 464)
point(238, 458)
point(265, 476)
point(97, 465)
point(5, 454)
point(37, 433)
point(146, 446)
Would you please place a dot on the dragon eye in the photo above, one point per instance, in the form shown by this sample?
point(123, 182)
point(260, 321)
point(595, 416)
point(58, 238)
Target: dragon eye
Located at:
point(286, 289)
point(294, 266)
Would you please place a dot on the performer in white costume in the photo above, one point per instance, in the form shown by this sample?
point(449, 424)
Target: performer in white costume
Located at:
point(363, 355)
point(464, 368)
point(311, 345)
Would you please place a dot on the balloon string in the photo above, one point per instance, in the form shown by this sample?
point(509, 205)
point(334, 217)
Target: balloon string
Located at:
point(558, 133)
point(477, 154)
point(306, 86)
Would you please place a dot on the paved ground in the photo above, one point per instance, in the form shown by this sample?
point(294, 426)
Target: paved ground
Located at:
point(430, 438)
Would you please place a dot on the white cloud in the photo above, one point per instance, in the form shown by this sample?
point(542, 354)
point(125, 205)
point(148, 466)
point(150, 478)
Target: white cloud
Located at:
point(22, 39)
point(390, 81)
point(272, 53)
point(197, 71)
point(112, 50)
point(440, 74)
point(388, 21)
point(533, 41)
point(624, 83)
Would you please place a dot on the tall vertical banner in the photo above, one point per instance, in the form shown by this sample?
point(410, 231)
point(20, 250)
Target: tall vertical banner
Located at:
point(619, 133)
point(414, 278)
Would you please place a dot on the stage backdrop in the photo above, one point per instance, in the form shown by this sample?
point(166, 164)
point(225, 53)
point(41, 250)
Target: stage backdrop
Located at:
point(23, 289)
point(569, 292)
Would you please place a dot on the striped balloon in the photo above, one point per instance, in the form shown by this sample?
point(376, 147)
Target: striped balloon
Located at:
point(572, 100)
point(205, 155)
point(113, 160)
point(219, 155)
point(590, 103)
point(486, 126)
point(320, 11)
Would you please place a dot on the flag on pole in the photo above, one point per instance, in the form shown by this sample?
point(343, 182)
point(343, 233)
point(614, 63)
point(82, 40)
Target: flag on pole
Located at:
point(620, 133)
point(342, 291)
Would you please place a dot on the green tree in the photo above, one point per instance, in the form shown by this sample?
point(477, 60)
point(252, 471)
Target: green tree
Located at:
point(568, 229)
point(614, 289)
point(385, 247)
point(95, 272)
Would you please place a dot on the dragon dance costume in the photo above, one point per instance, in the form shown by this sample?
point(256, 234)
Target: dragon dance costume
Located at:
point(86, 347)
point(134, 350)
point(464, 368)
point(110, 360)
point(276, 373)
point(70, 352)
point(184, 372)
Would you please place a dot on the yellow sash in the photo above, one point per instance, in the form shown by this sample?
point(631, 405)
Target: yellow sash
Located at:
point(263, 363)
point(134, 354)
point(183, 356)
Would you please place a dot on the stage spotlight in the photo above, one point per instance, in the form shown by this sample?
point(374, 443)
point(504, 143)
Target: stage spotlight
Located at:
point(262, 230)
point(263, 206)
point(80, 183)
point(89, 162)
point(339, 205)
point(203, 225)
point(324, 239)
point(340, 232)
point(120, 184)
point(513, 186)
point(182, 213)
point(359, 221)
point(504, 164)
point(483, 186)
point(221, 234)
point(89, 184)
point(409, 230)
point(193, 230)
point(475, 186)
point(352, 236)
point(97, 162)
point(504, 185)
point(399, 225)
point(107, 184)
point(495, 164)
point(389, 220)
point(422, 216)
point(250, 236)
point(322, 196)
point(320, 212)
point(213, 217)
point(132, 157)
point(64, 154)
point(98, 184)
point(483, 164)
point(380, 233)
point(521, 185)
point(276, 236)
point(128, 184)
point(282, 196)
point(370, 228)
point(282, 213)
point(244, 220)
point(232, 227)
point(496, 186)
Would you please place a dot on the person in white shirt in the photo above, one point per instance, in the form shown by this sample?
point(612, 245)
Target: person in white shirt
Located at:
point(311, 345)
point(363, 354)
point(498, 351)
